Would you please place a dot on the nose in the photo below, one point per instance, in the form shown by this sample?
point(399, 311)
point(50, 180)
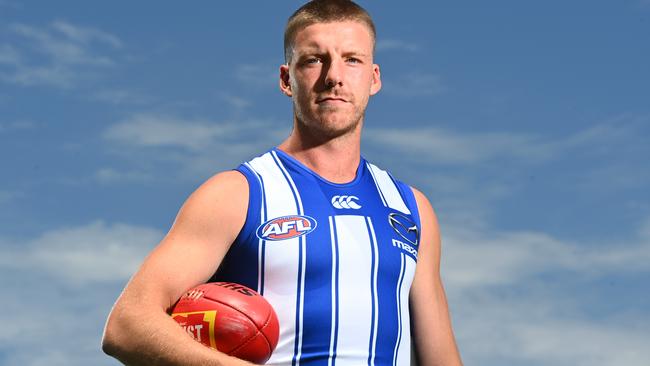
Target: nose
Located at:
point(333, 75)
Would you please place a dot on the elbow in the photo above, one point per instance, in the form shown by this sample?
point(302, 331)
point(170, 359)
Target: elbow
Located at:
point(112, 344)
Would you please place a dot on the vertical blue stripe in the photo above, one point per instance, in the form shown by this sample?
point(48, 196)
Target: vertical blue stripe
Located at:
point(290, 182)
point(335, 289)
point(374, 179)
point(297, 343)
point(301, 273)
point(262, 242)
point(398, 295)
point(373, 291)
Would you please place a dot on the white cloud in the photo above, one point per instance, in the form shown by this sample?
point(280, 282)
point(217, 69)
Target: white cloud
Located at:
point(414, 85)
point(59, 55)
point(507, 312)
point(442, 146)
point(9, 55)
point(120, 96)
point(479, 258)
point(88, 254)
point(17, 126)
point(397, 45)
point(8, 196)
point(436, 145)
point(524, 328)
point(108, 175)
point(86, 35)
point(146, 130)
point(60, 286)
point(235, 101)
point(261, 75)
point(197, 147)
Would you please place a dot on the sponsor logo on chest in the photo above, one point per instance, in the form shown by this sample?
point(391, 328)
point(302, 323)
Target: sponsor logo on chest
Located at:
point(346, 202)
point(408, 233)
point(286, 227)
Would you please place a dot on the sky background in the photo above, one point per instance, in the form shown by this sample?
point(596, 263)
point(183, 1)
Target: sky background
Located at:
point(526, 123)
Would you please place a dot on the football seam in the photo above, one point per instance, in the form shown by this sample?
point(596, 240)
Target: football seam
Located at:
point(259, 330)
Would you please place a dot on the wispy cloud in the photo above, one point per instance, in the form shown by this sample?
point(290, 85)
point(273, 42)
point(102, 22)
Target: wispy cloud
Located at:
point(480, 258)
point(528, 327)
point(196, 147)
point(147, 130)
point(444, 146)
point(109, 175)
point(450, 147)
point(59, 54)
point(93, 253)
point(16, 126)
point(9, 195)
point(234, 101)
point(86, 35)
point(414, 84)
point(396, 45)
point(9, 55)
point(261, 75)
point(65, 281)
point(120, 97)
point(502, 299)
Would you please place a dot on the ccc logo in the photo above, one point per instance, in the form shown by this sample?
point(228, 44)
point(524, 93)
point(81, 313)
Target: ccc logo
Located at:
point(347, 202)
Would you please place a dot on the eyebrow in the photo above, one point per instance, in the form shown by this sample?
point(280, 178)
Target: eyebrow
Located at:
point(317, 51)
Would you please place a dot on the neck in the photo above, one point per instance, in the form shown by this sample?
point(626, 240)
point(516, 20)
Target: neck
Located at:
point(335, 159)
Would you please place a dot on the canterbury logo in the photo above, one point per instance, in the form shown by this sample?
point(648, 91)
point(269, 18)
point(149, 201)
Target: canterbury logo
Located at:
point(346, 202)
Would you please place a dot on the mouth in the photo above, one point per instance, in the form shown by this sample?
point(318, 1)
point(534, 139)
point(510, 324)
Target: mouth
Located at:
point(330, 100)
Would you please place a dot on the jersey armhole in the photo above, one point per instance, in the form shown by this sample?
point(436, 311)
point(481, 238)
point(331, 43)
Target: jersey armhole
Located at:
point(254, 204)
point(411, 203)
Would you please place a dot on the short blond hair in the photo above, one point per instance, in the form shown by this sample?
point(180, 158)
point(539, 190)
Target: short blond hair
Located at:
point(324, 11)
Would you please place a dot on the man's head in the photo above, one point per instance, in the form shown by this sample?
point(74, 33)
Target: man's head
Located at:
point(324, 11)
point(330, 71)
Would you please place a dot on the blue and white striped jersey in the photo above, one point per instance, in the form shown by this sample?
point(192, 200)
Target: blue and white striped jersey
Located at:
point(336, 261)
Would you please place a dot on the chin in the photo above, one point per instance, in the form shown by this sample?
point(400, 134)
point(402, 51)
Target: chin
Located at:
point(337, 127)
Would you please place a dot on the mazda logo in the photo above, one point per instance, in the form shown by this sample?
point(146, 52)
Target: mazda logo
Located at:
point(404, 226)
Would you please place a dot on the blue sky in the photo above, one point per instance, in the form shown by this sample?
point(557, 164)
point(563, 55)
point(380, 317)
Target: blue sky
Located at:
point(526, 123)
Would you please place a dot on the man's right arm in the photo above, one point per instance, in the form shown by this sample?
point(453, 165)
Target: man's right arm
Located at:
point(139, 330)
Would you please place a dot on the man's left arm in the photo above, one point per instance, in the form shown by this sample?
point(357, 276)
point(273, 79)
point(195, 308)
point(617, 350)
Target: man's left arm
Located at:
point(432, 333)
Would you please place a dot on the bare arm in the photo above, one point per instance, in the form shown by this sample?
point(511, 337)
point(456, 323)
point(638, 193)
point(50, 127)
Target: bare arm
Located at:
point(432, 332)
point(139, 330)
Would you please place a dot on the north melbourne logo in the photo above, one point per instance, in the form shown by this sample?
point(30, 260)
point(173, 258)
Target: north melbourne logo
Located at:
point(345, 202)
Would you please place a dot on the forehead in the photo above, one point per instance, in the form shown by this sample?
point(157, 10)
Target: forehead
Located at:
point(344, 34)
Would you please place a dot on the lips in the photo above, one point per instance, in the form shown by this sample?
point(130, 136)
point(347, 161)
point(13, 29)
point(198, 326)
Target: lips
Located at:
point(330, 99)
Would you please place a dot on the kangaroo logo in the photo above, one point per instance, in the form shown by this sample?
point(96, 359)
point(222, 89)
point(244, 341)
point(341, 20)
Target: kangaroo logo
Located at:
point(345, 202)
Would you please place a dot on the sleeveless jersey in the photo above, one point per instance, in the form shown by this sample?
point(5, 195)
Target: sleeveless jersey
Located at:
point(335, 261)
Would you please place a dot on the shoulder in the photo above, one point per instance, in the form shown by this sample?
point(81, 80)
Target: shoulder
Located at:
point(423, 202)
point(220, 202)
point(428, 218)
point(229, 185)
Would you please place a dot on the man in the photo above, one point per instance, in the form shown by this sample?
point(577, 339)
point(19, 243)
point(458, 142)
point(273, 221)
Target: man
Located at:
point(329, 239)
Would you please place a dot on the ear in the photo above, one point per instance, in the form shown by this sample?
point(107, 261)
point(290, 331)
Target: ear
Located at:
point(376, 80)
point(285, 83)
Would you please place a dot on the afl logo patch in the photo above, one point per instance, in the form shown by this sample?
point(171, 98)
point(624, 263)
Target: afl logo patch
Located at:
point(286, 227)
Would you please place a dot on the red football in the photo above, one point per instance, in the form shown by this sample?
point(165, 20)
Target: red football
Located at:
point(231, 318)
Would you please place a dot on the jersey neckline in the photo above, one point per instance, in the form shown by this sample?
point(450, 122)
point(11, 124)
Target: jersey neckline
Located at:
point(296, 163)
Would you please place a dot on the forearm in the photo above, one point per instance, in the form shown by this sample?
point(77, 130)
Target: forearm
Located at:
point(151, 337)
point(434, 340)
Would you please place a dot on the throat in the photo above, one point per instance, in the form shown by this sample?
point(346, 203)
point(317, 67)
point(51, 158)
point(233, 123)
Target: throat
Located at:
point(335, 166)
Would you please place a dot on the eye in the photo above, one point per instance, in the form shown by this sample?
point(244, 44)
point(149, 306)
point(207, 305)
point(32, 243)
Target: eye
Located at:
point(311, 60)
point(353, 60)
